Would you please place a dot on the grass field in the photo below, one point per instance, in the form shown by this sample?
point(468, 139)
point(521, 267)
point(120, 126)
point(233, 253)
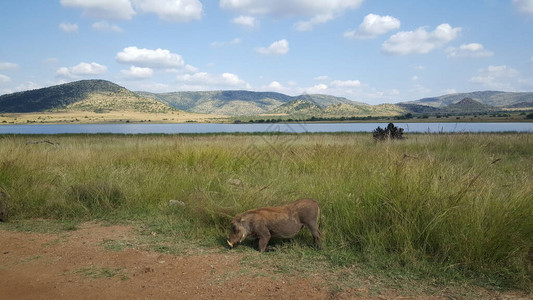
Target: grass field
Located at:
point(90, 117)
point(448, 207)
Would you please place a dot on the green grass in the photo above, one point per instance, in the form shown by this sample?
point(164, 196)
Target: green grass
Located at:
point(451, 207)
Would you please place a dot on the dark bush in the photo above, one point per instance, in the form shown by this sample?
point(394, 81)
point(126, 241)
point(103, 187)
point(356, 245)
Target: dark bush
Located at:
point(390, 132)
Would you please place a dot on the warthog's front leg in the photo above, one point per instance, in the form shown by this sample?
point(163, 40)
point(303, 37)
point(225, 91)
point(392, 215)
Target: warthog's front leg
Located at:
point(264, 236)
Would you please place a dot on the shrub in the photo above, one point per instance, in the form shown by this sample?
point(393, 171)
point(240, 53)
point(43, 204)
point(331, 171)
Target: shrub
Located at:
point(390, 132)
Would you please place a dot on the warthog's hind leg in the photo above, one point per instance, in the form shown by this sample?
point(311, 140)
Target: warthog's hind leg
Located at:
point(317, 236)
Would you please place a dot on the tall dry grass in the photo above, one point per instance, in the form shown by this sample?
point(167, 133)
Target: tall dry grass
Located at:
point(459, 204)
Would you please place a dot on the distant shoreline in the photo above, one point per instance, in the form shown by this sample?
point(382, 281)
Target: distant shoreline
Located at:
point(120, 117)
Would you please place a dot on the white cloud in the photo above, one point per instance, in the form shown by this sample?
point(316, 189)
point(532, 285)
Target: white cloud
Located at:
point(469, 50)
point(317, 89)
point(419, 41)
point(8, 66)
point(172, 10)
point(524, 6)
point(372, 26)
point(319, 11)
point(135, 73)
point(88, 69)
point(82, 69)
point(289, 7)
point(208, 81)
point(159, 58)
point(351, 89)
point(316, 20)
point(276, 87)
point(23, 87)
point(4, 78)
point(103, 9)
point(106, 27)
point(414, 78)
point(68, 27)
point(190, 69)
point(167, 10)
point(187, 69)
point(63, 72)
point(248, 21)
point(497, 77)
point(346, 83)
point(280, 47)
point(500, 71)
point(235, 41)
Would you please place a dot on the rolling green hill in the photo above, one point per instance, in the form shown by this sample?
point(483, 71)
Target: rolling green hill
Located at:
point(468, 105)
point(84, 95)
point(493, 98)
point(304, 108)
point(327, 100)
point(237, 103)
point(221, 102)
point(105, 96)
point(298, 107)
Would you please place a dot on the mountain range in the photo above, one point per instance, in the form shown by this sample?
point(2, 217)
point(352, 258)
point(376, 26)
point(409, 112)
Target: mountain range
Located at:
point(493, 98)
point(104, 96)
point(239, 103)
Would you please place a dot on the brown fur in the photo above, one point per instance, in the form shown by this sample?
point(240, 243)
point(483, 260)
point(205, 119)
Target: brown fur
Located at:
point(277, 221)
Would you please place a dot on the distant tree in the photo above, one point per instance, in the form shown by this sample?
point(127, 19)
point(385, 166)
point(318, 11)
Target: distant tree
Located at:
point(530, 116)
point(390, 132)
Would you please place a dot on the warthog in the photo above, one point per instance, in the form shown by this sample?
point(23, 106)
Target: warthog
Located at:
point(277, 221)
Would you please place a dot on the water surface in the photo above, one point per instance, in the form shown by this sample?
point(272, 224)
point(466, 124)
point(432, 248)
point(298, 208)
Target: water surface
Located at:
point(250, 128)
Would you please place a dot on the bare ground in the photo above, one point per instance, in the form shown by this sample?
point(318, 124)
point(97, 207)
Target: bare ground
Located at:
point(78, 265)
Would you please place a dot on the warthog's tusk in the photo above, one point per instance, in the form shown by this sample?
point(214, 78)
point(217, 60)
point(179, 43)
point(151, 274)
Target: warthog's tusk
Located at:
point(230, 244)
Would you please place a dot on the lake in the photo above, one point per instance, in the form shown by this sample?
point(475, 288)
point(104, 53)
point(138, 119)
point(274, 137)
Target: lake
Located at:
point(275, 127)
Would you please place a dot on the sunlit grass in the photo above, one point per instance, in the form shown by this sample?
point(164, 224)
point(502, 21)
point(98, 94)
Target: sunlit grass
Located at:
point(458, 205)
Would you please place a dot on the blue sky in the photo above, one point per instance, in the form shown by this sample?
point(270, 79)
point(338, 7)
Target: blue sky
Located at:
point(365, 50)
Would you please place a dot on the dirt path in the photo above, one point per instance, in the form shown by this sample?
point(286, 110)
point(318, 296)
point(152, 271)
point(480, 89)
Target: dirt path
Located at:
point(77, 265)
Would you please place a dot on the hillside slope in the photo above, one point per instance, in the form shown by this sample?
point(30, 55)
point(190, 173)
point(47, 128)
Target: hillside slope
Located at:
point(237, 103)
point(468, 105)
point(84, 95)
point(221, 102)
point(103, 96)
point(493, 98)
